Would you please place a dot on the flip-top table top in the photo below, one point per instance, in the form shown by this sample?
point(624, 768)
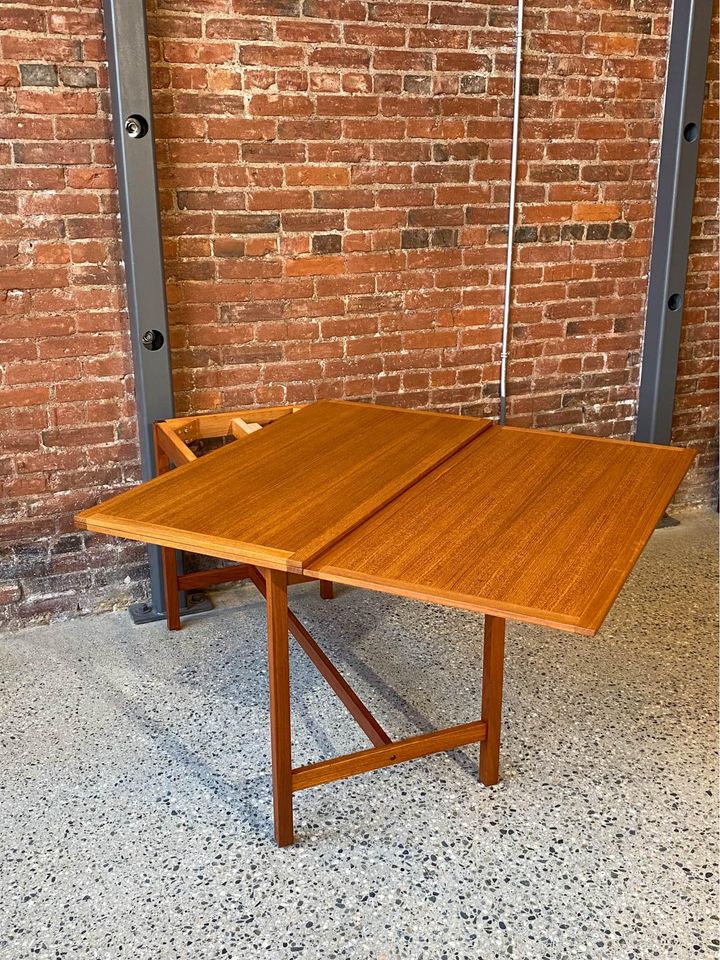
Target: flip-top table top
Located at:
point(527, 525)
point(279, 496)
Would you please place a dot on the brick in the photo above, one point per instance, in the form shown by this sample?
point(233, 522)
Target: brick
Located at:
point(375, 262)
point(318, 176)
point(598, 231)
point(26, 128)
point(555, 173)
point(438, 39)
point(343, 199)
point(328, 56)
point(335, 9)
point(456, 13)
point(326, 243)
point(306, 31)
point(271, 55)
point(194, 52)
point(620, 230)
point(37, 278)
point(398, 12)
point(78, 76)
point(38, 74)
point(26, 396)
point(38, 47)
point(375, 36)
point(436, 217)
point(47, 152)
point(611, 45)
point(309, 221)
point(421, 85)
point(279, 200)
point(280, 106)
point(268, 8)
point(412, 239)
point(347, 106)
point(596, 211)
point(236, 28)
point(250, 223)
point(314, 266)
point(9, 75)
point(444, 237)
point(19, 19)
point(473, 83)
point(549, 232)
point(59, 102)
point(273, 152)
point(573, 231)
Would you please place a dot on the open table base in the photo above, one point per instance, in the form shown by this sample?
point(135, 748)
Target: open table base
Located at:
point(385, 752)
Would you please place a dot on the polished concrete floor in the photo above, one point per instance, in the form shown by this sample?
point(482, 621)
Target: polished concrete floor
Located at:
point(135, 809)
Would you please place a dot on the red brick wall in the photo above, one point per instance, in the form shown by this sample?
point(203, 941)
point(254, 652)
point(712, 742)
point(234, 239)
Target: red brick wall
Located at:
point(333, 183)
point(66, 403)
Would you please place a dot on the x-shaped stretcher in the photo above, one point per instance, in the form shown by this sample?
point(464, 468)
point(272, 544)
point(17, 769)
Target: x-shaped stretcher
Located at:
point(517, 524)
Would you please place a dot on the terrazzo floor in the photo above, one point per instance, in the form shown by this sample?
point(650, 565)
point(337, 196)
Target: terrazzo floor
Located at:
point(135, 808)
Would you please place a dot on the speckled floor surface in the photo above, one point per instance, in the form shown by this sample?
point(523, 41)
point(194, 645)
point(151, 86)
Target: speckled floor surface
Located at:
point(135, 812)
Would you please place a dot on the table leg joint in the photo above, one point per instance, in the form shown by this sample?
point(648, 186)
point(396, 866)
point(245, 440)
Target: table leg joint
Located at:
point(338, 684)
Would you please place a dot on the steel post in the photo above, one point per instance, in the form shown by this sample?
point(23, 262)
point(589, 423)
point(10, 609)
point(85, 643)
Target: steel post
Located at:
point(131, 93)
point(681, 124)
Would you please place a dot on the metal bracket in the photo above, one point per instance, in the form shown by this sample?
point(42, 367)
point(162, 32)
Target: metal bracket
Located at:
point(682, 118)
point(141, 613)
point(129, 77)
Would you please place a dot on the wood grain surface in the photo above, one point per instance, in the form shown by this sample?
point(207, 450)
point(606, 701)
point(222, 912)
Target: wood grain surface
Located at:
point(422, 745)
point(525, 524)
point(493, 665)
point(280, 719)
point(281, 495)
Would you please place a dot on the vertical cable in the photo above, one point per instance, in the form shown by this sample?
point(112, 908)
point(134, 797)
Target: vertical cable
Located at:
point(511, 208)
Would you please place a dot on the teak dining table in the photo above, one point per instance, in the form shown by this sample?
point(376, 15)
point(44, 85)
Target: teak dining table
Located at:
point(516, 524)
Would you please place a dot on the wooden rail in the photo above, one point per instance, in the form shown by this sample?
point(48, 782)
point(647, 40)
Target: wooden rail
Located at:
point(398, 751)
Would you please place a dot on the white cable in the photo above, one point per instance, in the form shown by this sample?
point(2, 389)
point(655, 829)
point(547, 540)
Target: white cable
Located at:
point(511, 208)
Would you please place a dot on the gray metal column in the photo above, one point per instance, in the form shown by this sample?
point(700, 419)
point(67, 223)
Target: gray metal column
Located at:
point(682, 117)
point(129, 75)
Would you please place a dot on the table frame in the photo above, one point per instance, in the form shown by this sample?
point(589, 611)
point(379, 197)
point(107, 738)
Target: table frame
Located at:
point(172, 439)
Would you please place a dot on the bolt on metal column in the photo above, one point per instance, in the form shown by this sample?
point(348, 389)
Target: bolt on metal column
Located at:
point(681, 123)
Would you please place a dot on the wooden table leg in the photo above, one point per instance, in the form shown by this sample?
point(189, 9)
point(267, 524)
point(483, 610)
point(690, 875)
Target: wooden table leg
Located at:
point(169, 557)
point(492, 686)
point(279, 672)
point(326, 589)
point(172, 593)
